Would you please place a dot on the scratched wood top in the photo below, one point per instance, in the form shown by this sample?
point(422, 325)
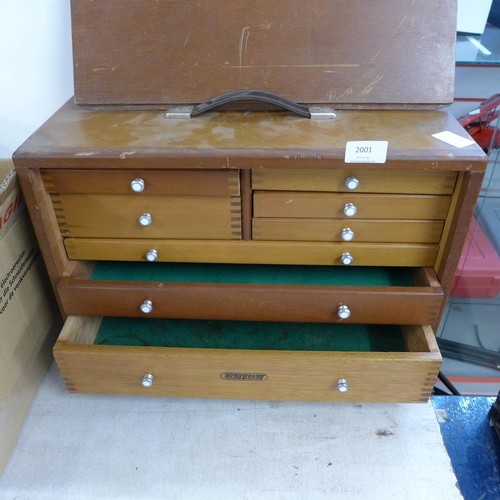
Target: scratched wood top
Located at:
point(240, 140)
point(367, 53)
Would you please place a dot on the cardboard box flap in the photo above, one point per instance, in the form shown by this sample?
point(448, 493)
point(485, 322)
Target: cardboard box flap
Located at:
point(7, 177)
point(11, 200)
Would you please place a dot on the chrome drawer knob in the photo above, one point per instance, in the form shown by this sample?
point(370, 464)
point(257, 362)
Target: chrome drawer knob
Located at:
point(147, 380)
point(342, 385)
point(347, 234)
point(137, 185)
point(152, 255)
point(147, 307)
point(346, 258)
point(351, 183)
point(145, 220)
point(350, 210)
point(344, 312)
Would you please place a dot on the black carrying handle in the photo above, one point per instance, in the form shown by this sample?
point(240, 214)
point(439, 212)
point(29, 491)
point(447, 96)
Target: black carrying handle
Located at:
point(313, 113)
point(251, 95)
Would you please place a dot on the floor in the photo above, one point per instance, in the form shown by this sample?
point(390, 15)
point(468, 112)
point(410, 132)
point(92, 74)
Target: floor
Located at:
point(473, 445)
point(76, 447)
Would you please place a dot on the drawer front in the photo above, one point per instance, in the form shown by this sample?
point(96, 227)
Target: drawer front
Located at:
point(254, 252)
point(333, 205)
point(377, 231)
point(219, 302)
point(376, 296)
point(247, 374)
point(370, 181)
point(142, 182)
point(120, 216)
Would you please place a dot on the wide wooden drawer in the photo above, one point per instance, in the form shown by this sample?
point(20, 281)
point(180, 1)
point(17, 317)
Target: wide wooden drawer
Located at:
point(370, 181)
point(247, 360)
point(143, 182)
point(316, 294)
point(253, 252)
point(333, 205)
point(156, 216)
point(360, 230)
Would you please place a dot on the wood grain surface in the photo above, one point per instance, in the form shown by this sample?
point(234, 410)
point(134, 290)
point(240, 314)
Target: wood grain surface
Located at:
point(368, 230)
point(331, 205)
point(142, 53)
point(253, 302)
point(253, 252)
point(370, 181)
point(117, 216)
point(309, 376)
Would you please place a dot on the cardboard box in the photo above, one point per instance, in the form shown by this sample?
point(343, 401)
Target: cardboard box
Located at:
point(29, 318)
point(488, 216)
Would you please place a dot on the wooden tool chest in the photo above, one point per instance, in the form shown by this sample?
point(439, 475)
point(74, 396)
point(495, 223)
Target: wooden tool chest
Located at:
point(239, 255)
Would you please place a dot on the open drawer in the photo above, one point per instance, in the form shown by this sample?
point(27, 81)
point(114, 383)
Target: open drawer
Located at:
point(320, 294)
point(248, 360)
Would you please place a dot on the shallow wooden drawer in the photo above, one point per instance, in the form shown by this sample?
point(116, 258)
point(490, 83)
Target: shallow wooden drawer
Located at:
point(360, 230)
point(253, 292)
point(176, 182)
point(332, 205)
point(125, 216)
point(370, 181)
point(254, 252)
point(248, 360)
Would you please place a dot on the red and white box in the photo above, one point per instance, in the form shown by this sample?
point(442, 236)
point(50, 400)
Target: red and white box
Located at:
point(478, 272)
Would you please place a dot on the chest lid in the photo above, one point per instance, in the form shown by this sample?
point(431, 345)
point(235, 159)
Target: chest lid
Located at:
point(363, 54)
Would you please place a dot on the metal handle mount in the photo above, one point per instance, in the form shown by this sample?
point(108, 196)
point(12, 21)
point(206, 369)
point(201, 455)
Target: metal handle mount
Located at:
point(314, 113)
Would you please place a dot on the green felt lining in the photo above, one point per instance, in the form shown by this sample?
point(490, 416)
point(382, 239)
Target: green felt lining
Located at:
point(258, 274)
point(249, 335)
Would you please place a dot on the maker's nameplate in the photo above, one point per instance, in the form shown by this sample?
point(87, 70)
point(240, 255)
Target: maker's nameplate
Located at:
point(249, 377)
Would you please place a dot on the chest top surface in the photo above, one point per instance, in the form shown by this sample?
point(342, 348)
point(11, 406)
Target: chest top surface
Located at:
point(232, 137)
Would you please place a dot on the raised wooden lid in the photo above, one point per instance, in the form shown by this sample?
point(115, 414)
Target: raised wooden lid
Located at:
point(347, 54)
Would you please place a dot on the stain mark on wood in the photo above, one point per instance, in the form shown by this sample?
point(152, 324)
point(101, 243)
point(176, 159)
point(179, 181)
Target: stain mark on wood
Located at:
point(126, 153)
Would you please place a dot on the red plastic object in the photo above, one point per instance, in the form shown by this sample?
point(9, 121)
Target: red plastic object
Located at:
point(479, 123)
point(478, 272)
